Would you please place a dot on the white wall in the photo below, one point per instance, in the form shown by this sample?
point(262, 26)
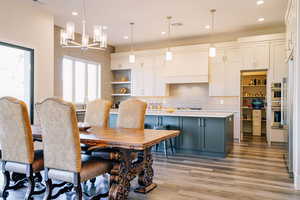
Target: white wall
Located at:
point(24, 23)
point(296, 120)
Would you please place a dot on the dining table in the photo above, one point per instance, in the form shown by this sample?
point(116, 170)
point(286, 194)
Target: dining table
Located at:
point(130, 151)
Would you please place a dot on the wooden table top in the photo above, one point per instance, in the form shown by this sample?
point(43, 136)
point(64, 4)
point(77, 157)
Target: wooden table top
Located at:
point(120, 137)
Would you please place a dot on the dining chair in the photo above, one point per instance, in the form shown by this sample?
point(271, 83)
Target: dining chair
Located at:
point(132, 114)
point(17, 150)
point(61, 140)
point(97, 113)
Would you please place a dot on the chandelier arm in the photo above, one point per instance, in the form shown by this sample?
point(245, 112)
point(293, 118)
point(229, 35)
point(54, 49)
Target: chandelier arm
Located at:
point(74, 43)
point(93, 44)
point(97, 48)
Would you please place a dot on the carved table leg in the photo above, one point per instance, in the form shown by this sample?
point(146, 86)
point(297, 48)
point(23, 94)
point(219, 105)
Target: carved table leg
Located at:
point(120, 177)
point(146, 175)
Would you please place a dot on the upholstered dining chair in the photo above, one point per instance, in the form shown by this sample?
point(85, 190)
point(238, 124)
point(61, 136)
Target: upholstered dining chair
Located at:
point(132, 114)
point(17, 149)
point(97, 113)
point(61, 141)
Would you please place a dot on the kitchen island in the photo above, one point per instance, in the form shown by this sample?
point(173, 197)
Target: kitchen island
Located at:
point(202, 132)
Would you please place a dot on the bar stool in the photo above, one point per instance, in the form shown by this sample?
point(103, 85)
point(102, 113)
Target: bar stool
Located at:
point(160, 127)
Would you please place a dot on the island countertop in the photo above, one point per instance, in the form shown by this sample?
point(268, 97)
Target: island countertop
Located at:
point(185, 113)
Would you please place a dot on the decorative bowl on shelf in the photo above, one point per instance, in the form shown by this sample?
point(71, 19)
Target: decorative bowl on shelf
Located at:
point(123, 90)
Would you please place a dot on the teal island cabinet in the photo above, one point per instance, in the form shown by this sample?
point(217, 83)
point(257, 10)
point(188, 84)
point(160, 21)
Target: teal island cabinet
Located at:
point(205, 134)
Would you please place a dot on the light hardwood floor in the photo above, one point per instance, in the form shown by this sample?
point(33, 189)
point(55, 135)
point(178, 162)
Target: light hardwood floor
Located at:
point(253, 171)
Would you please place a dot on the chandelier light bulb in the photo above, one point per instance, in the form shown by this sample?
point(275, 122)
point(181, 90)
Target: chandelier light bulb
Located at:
point(169, 55)
point(85, 42)
point(63, 38)
point(212, 51)
point(97, 33)
point(70, 30)
point(131, 58)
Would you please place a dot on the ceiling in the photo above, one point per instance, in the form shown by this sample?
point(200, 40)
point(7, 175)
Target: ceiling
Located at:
point(150, 16)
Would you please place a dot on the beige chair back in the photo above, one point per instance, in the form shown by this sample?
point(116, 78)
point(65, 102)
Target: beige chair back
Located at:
point(15, 131)
point(61, 138)
point(132, 114)
point(97, 113)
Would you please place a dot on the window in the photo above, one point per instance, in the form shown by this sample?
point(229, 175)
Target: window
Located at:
point(80, 80)
point(17, 73)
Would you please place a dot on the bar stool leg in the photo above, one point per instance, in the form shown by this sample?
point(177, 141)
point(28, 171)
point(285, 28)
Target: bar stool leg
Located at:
point(172, 147)
point(166, 148)
point(156, 147)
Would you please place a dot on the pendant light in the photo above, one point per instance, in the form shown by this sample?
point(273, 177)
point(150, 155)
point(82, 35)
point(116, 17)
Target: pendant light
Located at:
point(212, 48)
point(169, 55)
point(131, 56)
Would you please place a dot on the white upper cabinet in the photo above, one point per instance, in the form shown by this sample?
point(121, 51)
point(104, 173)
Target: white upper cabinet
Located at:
point(147, 78)
point(189, 64)
point(255, 55)
point(121, 61)
point(278, 61)
point(224, 72)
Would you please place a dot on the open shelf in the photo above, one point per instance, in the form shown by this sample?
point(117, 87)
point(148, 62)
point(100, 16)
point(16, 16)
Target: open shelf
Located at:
point(120, 82)
point(253, 85)
point(125, 95)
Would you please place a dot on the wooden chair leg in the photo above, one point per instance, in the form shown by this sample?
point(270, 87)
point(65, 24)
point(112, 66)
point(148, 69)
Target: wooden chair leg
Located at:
point(31, 183)
point(6, 181)
point(77, 188)
point(48, 193)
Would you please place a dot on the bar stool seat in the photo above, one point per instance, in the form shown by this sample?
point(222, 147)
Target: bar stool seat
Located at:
point(165, 141)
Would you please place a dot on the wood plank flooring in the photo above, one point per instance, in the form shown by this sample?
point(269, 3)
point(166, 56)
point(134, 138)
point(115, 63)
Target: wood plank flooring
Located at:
point(253, 171)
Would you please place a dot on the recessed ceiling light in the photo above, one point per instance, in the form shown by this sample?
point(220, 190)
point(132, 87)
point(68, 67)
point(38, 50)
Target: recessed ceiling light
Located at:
point(261, 19)
point(260, 2)
point(163, 33)
point(74, 13)
point(207, 26)
point(126, 37)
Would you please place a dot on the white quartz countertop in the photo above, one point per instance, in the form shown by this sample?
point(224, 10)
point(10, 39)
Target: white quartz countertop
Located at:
point(185, 113)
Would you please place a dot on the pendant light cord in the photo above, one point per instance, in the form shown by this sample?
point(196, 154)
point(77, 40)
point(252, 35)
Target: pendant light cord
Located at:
point(169, 32)
point(131, 37)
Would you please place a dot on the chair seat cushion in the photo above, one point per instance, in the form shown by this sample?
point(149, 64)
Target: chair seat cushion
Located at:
point(91, 167)
point(37, 165)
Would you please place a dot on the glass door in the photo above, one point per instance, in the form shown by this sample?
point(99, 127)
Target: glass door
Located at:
point(17, 73)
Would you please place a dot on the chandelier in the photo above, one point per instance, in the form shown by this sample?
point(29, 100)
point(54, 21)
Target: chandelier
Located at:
point(67, 36)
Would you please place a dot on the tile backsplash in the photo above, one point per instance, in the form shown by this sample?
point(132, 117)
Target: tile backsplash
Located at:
point(193, 95)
